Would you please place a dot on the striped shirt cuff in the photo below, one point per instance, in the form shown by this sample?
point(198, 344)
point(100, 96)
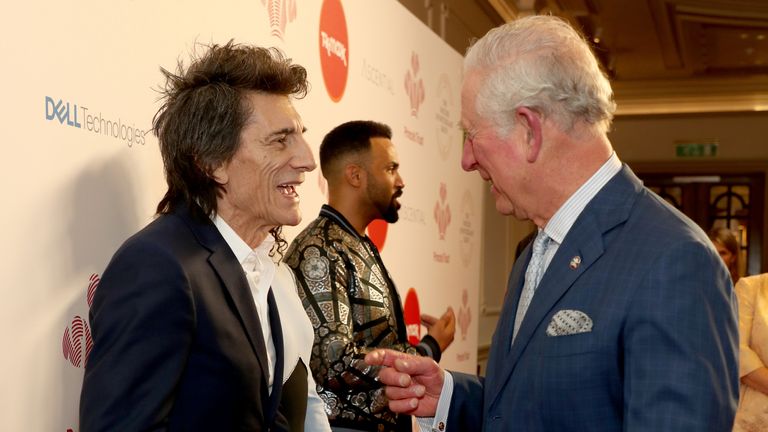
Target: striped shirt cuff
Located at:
point(438, 422)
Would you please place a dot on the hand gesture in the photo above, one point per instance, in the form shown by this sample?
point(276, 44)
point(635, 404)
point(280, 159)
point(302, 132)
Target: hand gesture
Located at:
point(413, 384)
point(441, 329)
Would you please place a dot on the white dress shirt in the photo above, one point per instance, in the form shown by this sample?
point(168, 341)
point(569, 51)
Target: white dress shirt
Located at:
point(557, 228)
point(298, 335)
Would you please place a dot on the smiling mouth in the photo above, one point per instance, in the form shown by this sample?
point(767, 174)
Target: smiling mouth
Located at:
point(288, 190)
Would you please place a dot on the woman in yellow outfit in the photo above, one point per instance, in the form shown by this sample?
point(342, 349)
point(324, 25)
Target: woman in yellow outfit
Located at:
point(752, 415)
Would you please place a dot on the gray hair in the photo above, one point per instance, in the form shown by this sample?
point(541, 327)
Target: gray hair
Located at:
point(542, 63)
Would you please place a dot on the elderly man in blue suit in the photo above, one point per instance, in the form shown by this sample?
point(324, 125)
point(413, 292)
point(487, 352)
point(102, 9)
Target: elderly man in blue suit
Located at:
point(620, 315)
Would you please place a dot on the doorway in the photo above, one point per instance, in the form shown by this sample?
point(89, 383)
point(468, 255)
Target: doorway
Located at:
point(726, 195)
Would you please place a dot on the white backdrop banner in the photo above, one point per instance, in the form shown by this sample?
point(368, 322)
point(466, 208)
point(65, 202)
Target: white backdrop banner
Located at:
point(79, 83)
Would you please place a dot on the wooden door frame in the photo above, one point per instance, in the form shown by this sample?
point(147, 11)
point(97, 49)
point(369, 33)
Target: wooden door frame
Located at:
point(718, 167)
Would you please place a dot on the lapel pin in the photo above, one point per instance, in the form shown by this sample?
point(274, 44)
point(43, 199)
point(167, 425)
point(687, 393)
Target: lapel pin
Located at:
point(575, 262)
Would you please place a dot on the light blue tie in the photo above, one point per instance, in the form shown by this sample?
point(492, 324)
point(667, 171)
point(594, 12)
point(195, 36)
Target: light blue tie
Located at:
point(533, 275)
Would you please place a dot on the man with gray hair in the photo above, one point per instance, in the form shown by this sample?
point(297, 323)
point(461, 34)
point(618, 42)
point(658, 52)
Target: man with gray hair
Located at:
point(620, 315)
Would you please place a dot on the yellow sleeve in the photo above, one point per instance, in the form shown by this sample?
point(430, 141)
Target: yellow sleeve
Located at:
point(747, 290)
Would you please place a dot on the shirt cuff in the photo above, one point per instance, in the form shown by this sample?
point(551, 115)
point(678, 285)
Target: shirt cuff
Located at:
point(438, 422)
point(431, 348)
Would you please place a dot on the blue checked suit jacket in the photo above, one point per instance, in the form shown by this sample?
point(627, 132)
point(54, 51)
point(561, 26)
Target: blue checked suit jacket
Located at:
point(662, 354)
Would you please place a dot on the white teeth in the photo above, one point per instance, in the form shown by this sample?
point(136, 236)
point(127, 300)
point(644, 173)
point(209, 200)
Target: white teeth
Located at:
point(287, 190)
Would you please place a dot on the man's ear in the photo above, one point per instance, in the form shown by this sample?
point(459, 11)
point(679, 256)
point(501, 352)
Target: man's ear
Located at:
point(220, 174)
point(354, 174)
point(530, 120)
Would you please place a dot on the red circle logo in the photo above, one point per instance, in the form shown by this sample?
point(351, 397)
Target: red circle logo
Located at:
point(377, 232)
point(412, 317)
point(334, 48)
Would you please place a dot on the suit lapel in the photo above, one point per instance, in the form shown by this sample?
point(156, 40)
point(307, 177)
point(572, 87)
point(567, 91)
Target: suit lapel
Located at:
point(498, 359)
point(231, 273)
point(609, 208)
point(584, 241)
point(226, 266)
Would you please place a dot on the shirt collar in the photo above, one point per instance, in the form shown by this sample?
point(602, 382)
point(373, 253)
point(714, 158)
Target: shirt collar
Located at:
point(239, 247)
point(333, 214)
point(557, 227)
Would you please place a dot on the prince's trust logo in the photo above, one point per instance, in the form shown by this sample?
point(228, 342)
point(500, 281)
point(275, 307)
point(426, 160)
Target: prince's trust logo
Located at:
point(442, 214)
point(464, 315)
point(414, 85)
point(414, 88)
point(281, 12)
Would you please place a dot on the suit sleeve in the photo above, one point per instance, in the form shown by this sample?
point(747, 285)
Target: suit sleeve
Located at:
point(338, 362)
point(681, 345)
point(466, 409)
point(142, 319)
point(746, 291)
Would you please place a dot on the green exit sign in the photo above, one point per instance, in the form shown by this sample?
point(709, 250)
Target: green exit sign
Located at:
point(695, 150)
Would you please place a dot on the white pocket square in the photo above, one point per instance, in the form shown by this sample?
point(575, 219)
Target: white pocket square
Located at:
point(569, 322)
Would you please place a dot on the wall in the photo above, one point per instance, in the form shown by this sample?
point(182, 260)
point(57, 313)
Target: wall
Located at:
point(741, 136)
point(457, 22)
point(83, 171)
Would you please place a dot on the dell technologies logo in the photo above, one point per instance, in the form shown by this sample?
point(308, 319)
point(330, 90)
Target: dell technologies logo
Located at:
point(80, 117)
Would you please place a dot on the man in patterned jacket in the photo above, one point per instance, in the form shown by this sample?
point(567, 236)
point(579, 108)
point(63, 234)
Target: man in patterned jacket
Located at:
point(347, 292)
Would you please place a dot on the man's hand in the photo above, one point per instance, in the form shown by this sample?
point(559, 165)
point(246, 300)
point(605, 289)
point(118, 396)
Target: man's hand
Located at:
point(441, 329)
point(413, 384)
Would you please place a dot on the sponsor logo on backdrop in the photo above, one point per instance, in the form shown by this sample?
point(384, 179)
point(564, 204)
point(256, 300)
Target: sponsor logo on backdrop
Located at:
point(281, 12)
point(446, 128)
point(463, 319)
point(377, 232)
point(412, 316)
point(442, 212)
point(414, 85)
point(466, 228)
point(412, 214)
point(413, 136)
point(77, 342)
point(464, 315)
point(414, 89)
point(442, 215)
point(375, 76)
point(70, 114)
point(334, 48)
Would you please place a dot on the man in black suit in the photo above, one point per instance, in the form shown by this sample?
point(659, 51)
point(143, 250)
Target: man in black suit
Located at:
point(186, 320)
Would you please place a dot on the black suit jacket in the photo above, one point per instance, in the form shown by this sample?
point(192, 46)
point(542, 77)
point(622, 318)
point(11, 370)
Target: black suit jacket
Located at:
point(177, 339)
